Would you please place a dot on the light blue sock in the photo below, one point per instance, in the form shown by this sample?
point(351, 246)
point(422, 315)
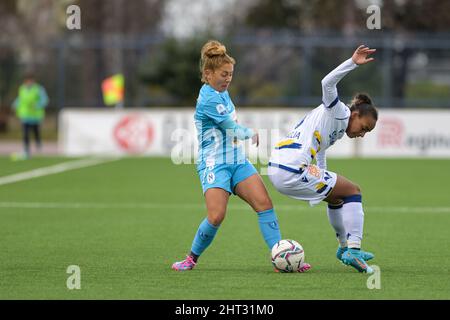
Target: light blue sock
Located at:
point(268, 225)
point(205, 235)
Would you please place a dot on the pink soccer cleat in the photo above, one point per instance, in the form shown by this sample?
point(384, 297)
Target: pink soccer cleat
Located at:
point(187, 264)
point(304, 267)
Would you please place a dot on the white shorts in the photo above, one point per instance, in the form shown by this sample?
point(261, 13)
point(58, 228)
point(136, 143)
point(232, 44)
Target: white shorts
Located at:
point(313, 184)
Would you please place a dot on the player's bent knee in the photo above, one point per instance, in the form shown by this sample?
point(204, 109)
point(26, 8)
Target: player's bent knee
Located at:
point(263, 205)
point(216, 218)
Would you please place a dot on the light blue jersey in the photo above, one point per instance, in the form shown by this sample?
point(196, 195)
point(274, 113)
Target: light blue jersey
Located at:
point(215, 146)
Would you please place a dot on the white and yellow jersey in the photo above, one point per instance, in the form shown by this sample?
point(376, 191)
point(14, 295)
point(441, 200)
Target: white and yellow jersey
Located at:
point(319, 129)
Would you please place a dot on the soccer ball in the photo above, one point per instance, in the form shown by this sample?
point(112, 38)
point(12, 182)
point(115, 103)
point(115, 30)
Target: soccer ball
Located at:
point(287, 255)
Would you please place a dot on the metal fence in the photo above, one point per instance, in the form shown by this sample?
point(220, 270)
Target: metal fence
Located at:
point(274, 68)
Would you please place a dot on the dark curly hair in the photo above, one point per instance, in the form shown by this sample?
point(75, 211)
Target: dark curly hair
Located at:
point(362, 103)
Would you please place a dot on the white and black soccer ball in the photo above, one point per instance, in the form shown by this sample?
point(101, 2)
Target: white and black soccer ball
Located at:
point(287, 255)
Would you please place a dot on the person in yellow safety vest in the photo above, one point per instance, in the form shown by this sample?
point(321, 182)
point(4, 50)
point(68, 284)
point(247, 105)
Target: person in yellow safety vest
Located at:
point(30, 107)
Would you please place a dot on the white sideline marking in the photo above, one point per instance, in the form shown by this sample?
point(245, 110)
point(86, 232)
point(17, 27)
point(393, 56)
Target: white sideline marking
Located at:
point(58, 168)
point(88, 205)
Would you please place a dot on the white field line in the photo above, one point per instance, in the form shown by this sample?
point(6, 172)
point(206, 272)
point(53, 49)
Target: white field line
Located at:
point(57, 168)
point(181, 206)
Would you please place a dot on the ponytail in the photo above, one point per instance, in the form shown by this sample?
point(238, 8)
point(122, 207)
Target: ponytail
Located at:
point(362, 103)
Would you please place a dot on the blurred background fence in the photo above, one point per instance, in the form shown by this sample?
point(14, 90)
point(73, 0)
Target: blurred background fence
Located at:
point(274, 68)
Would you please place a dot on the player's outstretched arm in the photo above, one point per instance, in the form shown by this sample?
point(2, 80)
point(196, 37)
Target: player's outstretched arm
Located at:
point(329, 90)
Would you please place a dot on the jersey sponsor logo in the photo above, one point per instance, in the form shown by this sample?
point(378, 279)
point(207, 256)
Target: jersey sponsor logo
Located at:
point(221, 109)
point(314, 171)
point(327, 176)
point(336, 135)
point(211, 177)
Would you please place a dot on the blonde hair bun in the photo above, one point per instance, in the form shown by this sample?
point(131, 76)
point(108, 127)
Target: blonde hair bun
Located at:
point(213, 48)
point(213, 56)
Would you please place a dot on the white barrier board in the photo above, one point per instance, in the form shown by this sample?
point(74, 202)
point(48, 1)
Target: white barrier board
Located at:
point(171, 132)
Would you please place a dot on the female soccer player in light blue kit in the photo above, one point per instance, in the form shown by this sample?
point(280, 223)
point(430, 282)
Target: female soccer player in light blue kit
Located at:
point(222, 166)
point(291, 172)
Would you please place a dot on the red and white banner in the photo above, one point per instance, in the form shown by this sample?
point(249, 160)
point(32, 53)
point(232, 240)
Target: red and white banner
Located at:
point(171, 132)
point(409, 133)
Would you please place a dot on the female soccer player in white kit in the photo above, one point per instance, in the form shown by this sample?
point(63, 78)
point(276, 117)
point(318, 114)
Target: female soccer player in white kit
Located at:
point(292, 173)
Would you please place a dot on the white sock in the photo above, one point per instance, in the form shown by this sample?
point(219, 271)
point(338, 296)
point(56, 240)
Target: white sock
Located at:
point(353, 220)
point(336, 220)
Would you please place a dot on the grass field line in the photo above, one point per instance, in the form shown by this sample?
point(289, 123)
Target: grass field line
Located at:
point(54, 169)
point(181, 206)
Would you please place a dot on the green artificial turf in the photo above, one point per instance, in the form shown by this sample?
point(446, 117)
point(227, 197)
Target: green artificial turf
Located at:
point(125, 222)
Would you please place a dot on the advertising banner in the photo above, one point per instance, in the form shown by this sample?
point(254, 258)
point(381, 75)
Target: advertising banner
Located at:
point(172, 132)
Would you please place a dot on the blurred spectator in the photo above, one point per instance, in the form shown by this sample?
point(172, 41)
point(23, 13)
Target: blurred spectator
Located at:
point(30, 107)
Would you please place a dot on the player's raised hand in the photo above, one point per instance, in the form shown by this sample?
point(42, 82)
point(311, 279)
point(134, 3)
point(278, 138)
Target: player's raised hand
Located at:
point(360, 56)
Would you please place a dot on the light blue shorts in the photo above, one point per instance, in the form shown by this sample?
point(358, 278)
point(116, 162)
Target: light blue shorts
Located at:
point(225, 176)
